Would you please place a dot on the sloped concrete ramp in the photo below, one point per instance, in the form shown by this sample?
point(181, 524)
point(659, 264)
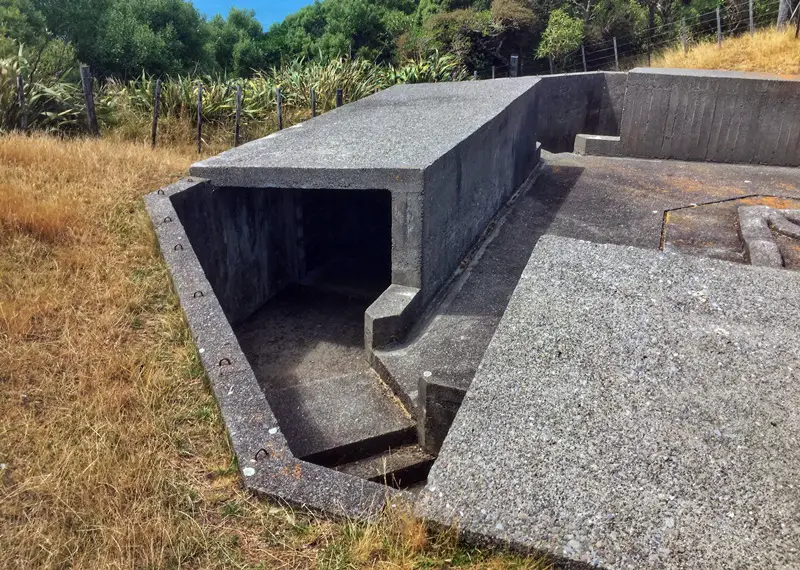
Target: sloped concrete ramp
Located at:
point(635, 409)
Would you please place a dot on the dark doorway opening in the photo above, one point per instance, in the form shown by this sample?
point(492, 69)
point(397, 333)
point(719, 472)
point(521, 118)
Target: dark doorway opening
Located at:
point(347, 240)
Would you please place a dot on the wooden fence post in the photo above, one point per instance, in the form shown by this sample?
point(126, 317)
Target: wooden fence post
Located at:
point(313, 103)
point(23, 115)
point(616, 55)
point(279, 103)
point(475, 75)
point(156, 104)
point(797, 28)
point(684, 39)
point(752, 23)
point(199, 116)
point(493, 72)
point(719, 29)
point(86, 83)
point(513, 66)
point(783, 14)
point(550, 60)
point(583, 57)
point(238, 120)
point(338, 98)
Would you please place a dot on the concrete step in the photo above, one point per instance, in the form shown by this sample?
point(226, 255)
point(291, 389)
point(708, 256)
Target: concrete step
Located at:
point(400, 467)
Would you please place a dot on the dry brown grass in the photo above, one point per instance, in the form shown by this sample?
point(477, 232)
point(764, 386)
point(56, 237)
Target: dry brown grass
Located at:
point(767, 51)
point(112, 450)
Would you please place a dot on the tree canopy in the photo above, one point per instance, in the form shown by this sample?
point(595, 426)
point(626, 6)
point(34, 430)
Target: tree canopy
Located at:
point(122, 38)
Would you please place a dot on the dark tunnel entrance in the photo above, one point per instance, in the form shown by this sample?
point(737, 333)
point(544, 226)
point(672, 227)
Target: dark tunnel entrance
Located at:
point(347, 240)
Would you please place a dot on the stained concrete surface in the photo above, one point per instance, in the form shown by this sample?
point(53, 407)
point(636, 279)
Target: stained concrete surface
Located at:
point(306, 349)
point(635, 409)
point(713, 230)
point(605, 200)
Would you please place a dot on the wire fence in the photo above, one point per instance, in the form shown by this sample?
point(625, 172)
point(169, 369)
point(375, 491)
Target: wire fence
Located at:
point(625, 52)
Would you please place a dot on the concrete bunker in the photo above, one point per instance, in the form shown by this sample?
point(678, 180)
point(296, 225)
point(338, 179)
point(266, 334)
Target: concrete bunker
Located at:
point(350, 341)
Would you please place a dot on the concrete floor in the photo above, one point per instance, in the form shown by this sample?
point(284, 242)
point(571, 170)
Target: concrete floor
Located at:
point(605, 200)
point(306, 347)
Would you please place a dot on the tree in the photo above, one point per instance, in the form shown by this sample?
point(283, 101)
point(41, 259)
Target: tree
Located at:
point(563, 35)
point(21, 23)
point(339, 28)
point(121, 37)
point(237, 42)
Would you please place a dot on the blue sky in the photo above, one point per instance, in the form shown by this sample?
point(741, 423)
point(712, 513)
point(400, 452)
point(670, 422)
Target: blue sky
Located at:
point(267, 11)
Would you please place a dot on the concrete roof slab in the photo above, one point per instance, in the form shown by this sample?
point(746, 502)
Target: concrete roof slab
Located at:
point(406, 127)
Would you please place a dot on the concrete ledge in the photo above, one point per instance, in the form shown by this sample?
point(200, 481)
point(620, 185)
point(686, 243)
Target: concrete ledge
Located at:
point(597, 145)
point(266, 464)
point(389, 317)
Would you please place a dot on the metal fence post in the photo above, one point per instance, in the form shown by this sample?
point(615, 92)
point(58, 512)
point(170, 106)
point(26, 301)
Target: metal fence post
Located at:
point(475, 75)
point(550, 61)
point(752, 23)
point(513, 66)
point(237, 124)
point(583, 57)
point(719, 29)
point(338, 98)
point(88, 97)
point(156, 104)
point(616, 55)
point(493, 72)
point(313, 103)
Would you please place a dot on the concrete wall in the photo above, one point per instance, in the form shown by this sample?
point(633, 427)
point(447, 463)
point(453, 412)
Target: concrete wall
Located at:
point(579, 103)
point(712, 115)
point(466, 187)
point(245, 240)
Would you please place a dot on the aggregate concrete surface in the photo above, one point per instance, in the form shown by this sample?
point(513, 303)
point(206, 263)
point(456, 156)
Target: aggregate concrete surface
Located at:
point(634, 409)
point(405, 128)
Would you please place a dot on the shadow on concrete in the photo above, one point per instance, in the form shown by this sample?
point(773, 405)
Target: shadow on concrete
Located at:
point(306, 347)
point(449, 342)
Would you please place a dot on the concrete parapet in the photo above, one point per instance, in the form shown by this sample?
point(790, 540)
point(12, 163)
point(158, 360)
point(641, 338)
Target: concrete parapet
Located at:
point(719, 116)
point(450, 154)
point(575, 103)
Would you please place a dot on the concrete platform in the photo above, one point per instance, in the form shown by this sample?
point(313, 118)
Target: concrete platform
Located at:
point(634, 409)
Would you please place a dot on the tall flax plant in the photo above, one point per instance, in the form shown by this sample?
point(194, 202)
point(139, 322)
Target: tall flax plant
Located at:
point(55, 107)
point(356, 79)
point(128, 105)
